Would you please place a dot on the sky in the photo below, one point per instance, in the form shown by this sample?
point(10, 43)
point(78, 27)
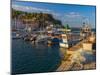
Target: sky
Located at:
point(74, 15)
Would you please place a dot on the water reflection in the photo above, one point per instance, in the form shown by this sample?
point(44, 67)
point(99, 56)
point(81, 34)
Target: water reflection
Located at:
point(28, 58)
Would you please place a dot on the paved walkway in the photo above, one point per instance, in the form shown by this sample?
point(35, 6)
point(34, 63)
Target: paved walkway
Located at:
point(67, 65)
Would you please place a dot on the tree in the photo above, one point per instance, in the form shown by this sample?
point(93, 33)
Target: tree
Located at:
point(67, 26)
point(42, 19)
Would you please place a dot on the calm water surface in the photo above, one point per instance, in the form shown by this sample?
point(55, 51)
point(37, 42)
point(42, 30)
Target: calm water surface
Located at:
point(27, 58)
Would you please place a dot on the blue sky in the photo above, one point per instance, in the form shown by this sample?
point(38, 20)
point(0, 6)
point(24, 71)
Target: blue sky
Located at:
point(73, 15)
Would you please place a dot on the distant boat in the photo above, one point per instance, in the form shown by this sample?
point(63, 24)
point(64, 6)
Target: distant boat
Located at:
point(16, 35)
point(85, 30)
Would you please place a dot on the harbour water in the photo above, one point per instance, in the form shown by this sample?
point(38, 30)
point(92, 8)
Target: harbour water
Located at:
point(29, 58)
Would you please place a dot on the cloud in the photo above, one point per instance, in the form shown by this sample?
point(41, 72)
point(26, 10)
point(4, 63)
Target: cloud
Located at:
point(29, 8)
point(72, 18)
point(73, 15)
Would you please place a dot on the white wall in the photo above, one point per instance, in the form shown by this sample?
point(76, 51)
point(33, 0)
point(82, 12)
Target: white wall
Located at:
point(5, 36)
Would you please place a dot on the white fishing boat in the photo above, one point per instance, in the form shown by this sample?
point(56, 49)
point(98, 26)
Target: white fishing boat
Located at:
point(64, 42)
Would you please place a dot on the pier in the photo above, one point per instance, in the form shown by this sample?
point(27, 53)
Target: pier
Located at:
point(68, 64)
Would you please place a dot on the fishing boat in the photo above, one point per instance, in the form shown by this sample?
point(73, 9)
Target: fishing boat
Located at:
point(64, 41)
point(64, 36)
